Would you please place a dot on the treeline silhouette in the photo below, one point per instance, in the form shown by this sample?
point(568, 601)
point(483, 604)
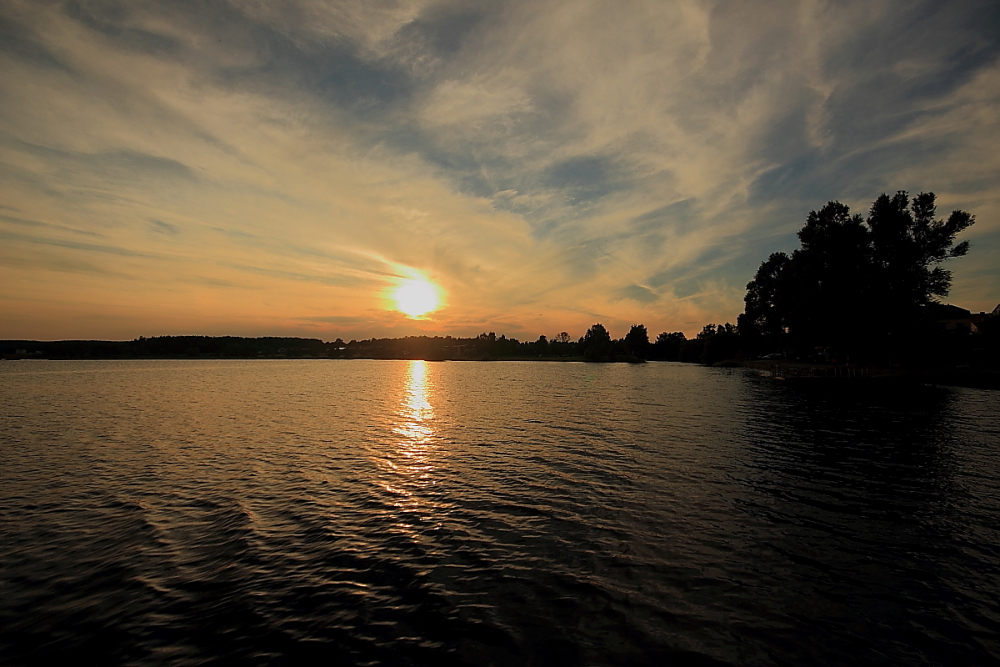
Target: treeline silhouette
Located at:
point(166, 347)
point(867, 290)
point(595, 345)
point(859, 290)
point(864, 288)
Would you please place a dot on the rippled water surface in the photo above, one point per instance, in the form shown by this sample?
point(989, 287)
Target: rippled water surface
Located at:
point(393, 512)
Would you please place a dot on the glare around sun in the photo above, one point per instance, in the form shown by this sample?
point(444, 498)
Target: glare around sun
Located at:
point(416, 297)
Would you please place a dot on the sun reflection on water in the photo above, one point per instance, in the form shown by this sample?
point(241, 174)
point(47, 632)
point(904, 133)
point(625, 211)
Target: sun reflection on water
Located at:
point(416, 410)
point(408, 468)
point(409, 463)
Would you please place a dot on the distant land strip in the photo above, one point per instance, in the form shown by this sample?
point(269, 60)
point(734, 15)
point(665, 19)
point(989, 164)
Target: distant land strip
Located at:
point(485, 347)
point(489, 347)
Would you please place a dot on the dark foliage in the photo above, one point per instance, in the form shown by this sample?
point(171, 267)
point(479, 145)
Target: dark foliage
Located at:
point(637, 341)
point(667, 346)
point(718, 343)
point(596, 344)
point(168, 347)
point(857, 286)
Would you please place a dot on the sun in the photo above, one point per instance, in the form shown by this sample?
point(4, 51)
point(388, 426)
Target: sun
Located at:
point(416, 297)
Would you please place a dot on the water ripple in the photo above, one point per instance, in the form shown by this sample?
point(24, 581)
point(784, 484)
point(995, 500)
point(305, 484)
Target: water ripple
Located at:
point(366, 512)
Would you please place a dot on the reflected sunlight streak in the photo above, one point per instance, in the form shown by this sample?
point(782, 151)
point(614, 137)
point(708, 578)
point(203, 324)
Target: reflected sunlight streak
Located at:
point(410, 464)
point(416, 409)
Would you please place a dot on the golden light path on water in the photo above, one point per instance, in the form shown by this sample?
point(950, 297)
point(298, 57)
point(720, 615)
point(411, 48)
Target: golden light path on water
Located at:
point(410, 461)
point(416, 410)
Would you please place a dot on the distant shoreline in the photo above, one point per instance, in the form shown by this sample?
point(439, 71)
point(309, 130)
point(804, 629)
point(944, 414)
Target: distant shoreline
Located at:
point(483, 348)
point(486, 347)
point(206, 357)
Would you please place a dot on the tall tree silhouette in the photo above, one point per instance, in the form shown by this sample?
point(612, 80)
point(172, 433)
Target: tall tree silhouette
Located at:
point(855, 284)
point(907, 247)
point(768, 304)
point(637, 341)
point(596, 343)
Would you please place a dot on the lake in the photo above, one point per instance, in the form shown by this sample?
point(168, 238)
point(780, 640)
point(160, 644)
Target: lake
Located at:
point(491, 513)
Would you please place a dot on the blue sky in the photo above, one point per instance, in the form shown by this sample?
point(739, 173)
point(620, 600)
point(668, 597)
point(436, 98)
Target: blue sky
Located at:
point(253, 168)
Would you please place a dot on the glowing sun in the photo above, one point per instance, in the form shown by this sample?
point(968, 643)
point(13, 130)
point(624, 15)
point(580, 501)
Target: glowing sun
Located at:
point(416, 297)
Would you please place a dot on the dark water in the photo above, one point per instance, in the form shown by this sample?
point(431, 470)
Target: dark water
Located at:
point(369, 512)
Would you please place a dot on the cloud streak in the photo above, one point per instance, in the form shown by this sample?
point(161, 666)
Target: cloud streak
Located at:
point(548, 164)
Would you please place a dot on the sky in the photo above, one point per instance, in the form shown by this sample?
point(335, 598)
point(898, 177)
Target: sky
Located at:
point(278, 168)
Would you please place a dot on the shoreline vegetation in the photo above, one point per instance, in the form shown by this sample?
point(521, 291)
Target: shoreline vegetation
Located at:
point(859, 300)
point(486, 347)
point(961, 358)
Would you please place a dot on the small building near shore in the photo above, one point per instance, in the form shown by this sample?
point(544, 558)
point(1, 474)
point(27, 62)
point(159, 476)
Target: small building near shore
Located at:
point(953, 318)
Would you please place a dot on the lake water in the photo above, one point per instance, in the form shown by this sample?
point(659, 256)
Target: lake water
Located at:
point(394, 512)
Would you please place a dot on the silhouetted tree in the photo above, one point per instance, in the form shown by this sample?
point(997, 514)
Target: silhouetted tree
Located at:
point(596, 344)
point(907, 247)
point(718, 343)
point(637, 341)
point(768, 303)
point(856, 285)
point(541, 346)
point(668, 346)
point(562, 345)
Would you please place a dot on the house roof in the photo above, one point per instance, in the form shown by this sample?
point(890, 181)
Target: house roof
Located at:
point(946, 311)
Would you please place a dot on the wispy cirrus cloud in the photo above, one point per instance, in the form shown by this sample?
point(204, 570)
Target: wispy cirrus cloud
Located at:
point(549, 164)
